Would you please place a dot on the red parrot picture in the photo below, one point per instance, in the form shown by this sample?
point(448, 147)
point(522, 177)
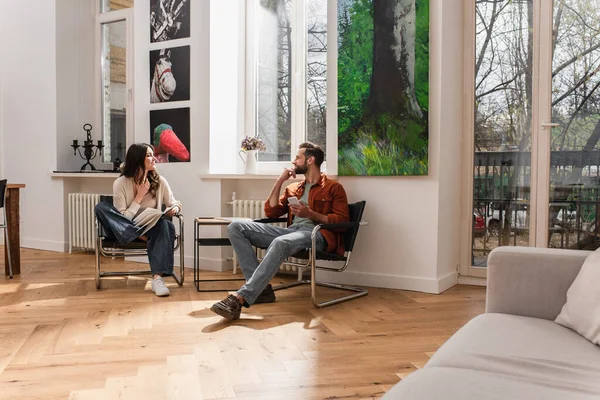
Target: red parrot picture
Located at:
point(170, 134)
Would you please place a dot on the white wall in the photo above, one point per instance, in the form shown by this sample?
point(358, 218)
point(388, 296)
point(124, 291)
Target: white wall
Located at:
point(198, 197)
point(451, 111)
point(28, 124)
point(227, 83)
point(412, 240)
point(74, 79)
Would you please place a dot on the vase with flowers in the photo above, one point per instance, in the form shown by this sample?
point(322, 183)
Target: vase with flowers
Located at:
point(251, 145)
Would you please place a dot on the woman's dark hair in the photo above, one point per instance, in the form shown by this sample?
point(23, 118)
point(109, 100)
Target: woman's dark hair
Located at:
point(134, 166)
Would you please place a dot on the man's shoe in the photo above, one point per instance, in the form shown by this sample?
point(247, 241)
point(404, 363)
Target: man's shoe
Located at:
point(159, 287)
point(229, 308)
point(267, 295)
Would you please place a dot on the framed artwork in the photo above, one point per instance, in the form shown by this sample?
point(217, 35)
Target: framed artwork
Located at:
point(170, 74)
point(383, 87)
point(169, 19)
point(170, 134)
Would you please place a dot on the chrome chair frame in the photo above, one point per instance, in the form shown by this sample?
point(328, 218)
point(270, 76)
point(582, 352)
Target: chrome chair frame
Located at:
point(352, 232)
point(134, 249)
point(4, 225)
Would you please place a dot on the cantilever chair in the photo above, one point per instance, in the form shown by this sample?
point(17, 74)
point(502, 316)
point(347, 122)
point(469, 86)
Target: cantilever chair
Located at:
point(4, 225)
point(311, 257)
point(109, 247)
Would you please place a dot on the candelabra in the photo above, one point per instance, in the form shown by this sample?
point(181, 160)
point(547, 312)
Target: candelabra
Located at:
point(89, 152)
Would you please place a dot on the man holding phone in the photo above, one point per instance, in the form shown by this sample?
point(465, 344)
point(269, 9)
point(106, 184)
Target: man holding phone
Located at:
point(314, 200)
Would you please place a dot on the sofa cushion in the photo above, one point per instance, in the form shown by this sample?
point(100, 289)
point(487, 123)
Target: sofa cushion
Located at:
point(436, 383)
point(523, 349)
point(581, 312)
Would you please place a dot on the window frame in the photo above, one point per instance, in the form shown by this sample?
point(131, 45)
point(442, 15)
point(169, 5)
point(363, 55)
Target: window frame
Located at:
point(299, 43)
point(101, 19)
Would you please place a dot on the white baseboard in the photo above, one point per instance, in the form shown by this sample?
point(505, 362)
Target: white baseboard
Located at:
point(402, 282)
point(447, 281)
point(206, 264)
point(472, 280)
point(39, 244)
point(426, 285)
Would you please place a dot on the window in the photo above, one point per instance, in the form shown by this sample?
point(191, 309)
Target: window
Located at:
point(316, 71)
point(287, 74)
point(114, 30)
point(112, 5)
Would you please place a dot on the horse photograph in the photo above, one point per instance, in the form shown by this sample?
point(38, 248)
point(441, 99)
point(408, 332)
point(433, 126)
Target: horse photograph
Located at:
point(170, 74)
point(169, 19)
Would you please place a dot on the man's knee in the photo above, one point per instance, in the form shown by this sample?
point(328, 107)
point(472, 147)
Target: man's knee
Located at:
point(281, 244)
point(234, 228)
point(237, 228)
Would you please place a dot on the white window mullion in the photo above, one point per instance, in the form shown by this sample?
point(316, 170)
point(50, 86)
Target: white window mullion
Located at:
point(299, 47)
point(332, 89)
point(129, 116)
point(251, 125)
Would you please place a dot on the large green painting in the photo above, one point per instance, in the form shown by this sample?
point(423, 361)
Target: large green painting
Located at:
point(383, 87)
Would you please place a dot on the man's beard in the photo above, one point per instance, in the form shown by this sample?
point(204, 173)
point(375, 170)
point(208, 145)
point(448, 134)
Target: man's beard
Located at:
point(301, 169)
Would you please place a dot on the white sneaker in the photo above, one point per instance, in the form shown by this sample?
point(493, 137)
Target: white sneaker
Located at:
point(159, 287)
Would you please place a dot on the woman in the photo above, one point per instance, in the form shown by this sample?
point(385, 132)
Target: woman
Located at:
point(138, 196)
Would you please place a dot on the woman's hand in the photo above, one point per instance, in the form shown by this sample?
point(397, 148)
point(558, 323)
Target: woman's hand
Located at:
point(172, 211)
point(141, 190)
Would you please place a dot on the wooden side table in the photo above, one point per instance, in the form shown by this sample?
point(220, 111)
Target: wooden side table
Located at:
point(12, 221)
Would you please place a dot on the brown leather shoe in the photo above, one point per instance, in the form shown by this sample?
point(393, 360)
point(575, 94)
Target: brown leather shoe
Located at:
point(266, 296)
point(229, 308)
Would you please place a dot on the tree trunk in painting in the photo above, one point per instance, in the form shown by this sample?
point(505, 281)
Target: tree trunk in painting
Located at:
point(393, 81)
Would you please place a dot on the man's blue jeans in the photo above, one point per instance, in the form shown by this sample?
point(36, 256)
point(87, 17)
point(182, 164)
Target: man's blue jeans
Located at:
point(161, 237)
point(280, 243)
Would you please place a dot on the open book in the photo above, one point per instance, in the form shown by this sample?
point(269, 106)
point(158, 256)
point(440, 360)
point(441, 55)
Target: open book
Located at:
point(148, 217)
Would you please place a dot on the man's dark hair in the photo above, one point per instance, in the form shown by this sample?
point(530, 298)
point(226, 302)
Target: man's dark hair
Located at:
point(313, 150)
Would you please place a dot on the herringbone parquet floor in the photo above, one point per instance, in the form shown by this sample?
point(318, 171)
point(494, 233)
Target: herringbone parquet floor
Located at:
point(60, 338)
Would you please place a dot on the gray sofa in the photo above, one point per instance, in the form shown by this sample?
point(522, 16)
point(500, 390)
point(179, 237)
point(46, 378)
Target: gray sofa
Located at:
point(515, 350)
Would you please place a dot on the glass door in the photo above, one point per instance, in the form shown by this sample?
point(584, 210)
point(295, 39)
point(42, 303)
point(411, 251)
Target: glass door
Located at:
point(536, 126)
point(503, 126)
point(572, 126)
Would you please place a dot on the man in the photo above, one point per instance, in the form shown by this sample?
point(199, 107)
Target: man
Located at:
point(322, 201)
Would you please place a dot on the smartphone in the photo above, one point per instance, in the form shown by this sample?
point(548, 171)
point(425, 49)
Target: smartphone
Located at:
point(293, 200)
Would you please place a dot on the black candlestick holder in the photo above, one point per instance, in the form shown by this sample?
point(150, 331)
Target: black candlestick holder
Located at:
point(89, 152)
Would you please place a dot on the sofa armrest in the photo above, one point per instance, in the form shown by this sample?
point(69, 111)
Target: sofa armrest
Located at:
point(531, 282)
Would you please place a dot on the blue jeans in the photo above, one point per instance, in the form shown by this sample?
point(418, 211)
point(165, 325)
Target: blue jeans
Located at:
point(280, 243)
point(161, 237)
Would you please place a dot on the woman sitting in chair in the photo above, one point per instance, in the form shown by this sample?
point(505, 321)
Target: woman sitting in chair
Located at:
point(138, 196)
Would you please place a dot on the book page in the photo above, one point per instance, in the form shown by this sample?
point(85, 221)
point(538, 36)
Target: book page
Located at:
point(147, 218)
point(169, 208)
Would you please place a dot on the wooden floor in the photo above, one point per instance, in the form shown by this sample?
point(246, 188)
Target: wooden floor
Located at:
point(60, 338)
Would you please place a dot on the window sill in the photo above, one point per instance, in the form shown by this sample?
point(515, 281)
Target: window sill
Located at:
point(88, 174)
point(239, 176)
point(267, 177)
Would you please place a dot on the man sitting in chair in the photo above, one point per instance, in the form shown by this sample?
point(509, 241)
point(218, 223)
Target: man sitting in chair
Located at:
point(320, 201)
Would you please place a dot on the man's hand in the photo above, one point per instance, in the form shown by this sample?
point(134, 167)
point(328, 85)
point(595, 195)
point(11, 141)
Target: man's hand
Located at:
point(301, 211)
point(287, 174)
